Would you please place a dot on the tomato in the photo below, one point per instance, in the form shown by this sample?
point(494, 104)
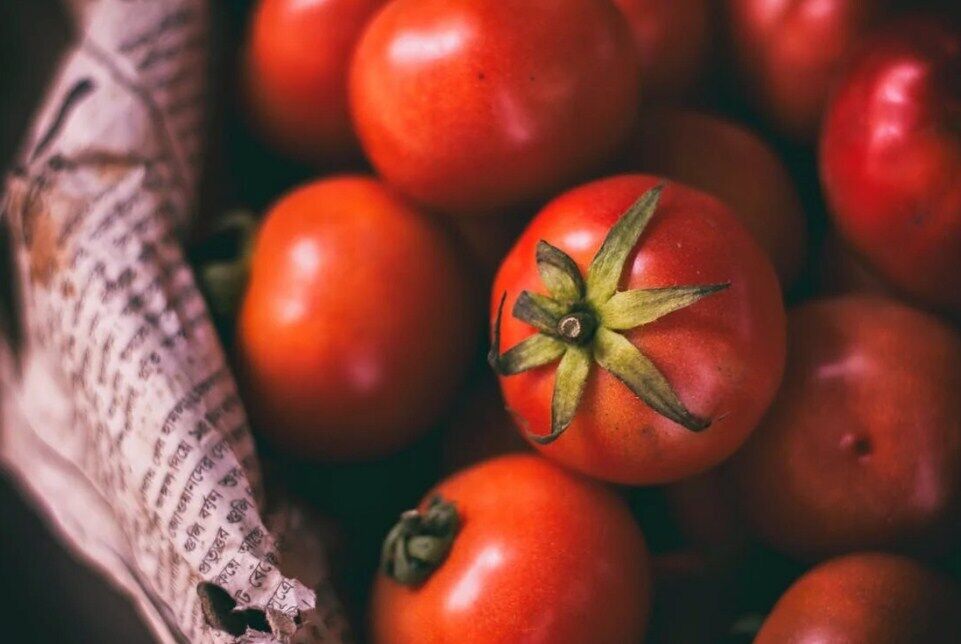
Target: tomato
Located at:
point(474, 107)
point(891, 160)
point(541, 555)
point(670, 65)
point(356, 326)
point(790, 53)
point(697, 149)
point(295, 74)
point(713, 359)
point(869, 597)
point(862, 448)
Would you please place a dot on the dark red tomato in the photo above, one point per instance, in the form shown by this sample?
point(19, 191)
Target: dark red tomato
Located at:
point(473, 107)
point(789, 54)
point(673, 38)
point(295, 74)
point(732, 163)
point(869, 597)
point(862, 448)
point(541, 556)
point(355, 329)
point(891, 160)
point(720, 358)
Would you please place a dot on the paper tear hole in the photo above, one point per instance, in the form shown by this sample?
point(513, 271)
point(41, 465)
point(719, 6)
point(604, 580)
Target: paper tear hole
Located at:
point(218, 608)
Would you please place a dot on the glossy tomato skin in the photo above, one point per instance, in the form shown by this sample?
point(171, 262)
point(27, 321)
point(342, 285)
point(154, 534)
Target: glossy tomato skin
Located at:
point(700, 150)
point(723, 356)
point(473, 107)
point(543, 556)
point(295, 74)
point(867, 597)
point(862, 448)
point(790, 53)
point(355, 329)
point(673, 39)
point(891, 160)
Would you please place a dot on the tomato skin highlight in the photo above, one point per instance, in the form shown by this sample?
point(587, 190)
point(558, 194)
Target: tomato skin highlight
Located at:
point(862, 448)
point(295, 74)
point(471, 108)
point(670, 66)
point(790, 53)
point(344, 349)
point(543, 556)
point(697, 150)
point(891, 160)
point(867, 597)
point(724, 355)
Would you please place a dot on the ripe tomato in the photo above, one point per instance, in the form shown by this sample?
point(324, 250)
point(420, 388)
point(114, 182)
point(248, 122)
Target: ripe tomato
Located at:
point(869, 597)
point(295, 74)
point(789, 54)
point(355, 329)
point(473, 107)
point(540, 556)
point(714, 358)
point(673, 38)
point(862, 448)
point(891, 160)
point(697, 150)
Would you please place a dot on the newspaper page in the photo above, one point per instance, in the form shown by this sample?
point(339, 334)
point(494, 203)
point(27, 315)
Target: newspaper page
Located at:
point(120, 417)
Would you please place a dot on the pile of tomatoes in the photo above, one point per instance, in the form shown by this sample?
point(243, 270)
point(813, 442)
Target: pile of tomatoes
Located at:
point(706, 255)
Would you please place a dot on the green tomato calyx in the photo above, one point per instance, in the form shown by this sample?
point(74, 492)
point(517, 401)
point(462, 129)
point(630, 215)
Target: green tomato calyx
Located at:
point(578, 324)
point(420, 541)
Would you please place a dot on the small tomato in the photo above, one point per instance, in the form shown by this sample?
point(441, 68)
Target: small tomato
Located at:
point(514, 549)
point(645, 331)
point(355, 329)
point(862, 448)
point(869, 597)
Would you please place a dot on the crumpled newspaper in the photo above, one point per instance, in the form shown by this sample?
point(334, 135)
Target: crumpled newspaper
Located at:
point(120, 417)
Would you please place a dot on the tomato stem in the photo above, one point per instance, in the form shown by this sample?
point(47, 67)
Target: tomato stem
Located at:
point(577, 327)
point(420, 541)
point(579, 322)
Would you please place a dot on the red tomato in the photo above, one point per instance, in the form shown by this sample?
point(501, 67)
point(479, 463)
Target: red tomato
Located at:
point(295, 74)
point(473, 107)
point(862, 448)
point(722, 355)
point(789, 54)
point(673, 38)
point(698, 150)
point(877, 598)
point(542, 556)
point(355, 329)
point(891, 160)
